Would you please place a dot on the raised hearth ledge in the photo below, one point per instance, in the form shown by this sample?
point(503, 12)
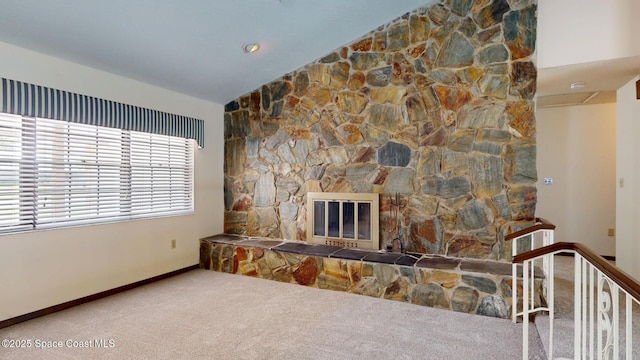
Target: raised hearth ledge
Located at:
point(458, 284)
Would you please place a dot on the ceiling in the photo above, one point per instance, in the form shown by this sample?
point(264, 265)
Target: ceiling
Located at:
point(195, 46)
point(599, 80)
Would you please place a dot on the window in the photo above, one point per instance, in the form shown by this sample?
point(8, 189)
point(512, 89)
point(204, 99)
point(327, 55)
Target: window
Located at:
point(56, 173)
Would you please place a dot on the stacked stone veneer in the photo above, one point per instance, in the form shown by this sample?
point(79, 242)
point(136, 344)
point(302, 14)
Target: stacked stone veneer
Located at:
point(437, 105)
point(463, 285)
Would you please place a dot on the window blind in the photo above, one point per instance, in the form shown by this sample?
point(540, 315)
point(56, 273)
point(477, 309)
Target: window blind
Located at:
point(20, 98)
point(55, 173)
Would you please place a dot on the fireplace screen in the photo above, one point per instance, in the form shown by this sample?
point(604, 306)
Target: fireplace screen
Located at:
point(343, 219)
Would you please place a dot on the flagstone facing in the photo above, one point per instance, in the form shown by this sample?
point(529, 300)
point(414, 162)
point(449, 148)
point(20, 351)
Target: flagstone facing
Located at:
point(436, 105)
point(470, 286)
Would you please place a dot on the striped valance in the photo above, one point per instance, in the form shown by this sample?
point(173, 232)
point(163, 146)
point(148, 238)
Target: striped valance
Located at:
point(25, 99)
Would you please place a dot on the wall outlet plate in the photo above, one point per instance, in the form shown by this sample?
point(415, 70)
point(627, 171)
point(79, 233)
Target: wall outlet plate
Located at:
point(548, 181)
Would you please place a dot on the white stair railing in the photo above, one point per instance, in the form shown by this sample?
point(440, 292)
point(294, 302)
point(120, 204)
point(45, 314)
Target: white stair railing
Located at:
point(598, 289)
point(539, 235)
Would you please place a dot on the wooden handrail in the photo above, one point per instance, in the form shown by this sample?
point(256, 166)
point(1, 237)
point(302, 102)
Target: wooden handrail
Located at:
point(622, 279)
point(541, 224)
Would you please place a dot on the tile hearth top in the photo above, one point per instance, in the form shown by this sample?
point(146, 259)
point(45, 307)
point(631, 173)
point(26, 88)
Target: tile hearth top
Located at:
point(307, 249)
point(385, 258)
point(440, 263)
point(298, 247)
point(337, 252)
point(350, 254)
point(261, 244)
point(224, 239)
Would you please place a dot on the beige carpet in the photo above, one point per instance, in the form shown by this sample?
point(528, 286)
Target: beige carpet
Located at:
point(209, 315)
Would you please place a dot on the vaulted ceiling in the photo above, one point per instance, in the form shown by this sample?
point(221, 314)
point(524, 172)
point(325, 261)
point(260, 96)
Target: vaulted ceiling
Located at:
point(195, 47)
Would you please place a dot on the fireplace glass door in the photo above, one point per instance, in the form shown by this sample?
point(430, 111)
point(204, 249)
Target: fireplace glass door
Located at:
point(343, 219)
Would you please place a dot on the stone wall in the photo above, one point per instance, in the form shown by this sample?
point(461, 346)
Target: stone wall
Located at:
point(436, 105)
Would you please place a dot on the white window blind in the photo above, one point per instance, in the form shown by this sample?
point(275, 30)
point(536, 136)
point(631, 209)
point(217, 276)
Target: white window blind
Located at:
point(55, 173)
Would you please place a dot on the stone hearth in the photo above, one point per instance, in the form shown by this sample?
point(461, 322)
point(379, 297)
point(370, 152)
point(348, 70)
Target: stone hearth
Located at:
point(458, 284)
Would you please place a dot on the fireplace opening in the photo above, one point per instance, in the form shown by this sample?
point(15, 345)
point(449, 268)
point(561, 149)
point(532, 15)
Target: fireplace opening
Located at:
point(343, 219)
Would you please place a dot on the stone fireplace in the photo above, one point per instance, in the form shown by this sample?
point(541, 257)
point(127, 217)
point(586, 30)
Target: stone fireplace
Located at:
point(436, 106)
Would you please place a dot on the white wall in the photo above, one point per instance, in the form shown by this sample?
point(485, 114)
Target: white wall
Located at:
point(576, 147)
point(45, 268)
point(580, 31)
point(628, 169)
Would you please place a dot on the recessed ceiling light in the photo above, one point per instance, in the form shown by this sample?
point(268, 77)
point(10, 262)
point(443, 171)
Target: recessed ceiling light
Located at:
point(577, 85)
point(251, 48)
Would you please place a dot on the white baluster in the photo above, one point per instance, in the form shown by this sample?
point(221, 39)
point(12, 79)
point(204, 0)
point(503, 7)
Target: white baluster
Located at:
point(532, 284)
point(577, 311)
point(550, 296)
point(629, 318)
point(514, 282)
point(615, 293)
point(600, 327)
point(592, 310)
point(525, 310)
point(585, 295)
point(605, 336)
